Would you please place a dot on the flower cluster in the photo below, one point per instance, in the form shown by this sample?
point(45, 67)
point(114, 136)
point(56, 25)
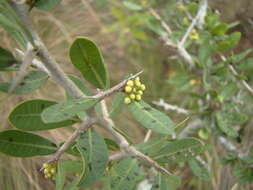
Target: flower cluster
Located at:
point(134, 90)
point(49, 170)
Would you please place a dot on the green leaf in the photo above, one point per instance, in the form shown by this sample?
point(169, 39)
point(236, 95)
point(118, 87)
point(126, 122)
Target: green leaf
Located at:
point(6, 59)
point(65, 167)
point(199, 169)
point(166, 182)
point(86, 57)
point(33, 81)
point(229, 43)
point(179, 150)
point(112, 145)
point(220, 29)
point(117, 104)
point(225, 125)
point(23, 144)
point(124, 174)
point(46, 4)
point(132, 6)
point(151, 118)
point(27, 116)
point(66, 110)
point(95, 155)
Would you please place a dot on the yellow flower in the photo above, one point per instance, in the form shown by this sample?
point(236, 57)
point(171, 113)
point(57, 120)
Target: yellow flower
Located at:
point(194, 35)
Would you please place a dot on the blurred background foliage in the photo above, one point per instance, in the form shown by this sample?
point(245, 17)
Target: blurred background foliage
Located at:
point(131, 40)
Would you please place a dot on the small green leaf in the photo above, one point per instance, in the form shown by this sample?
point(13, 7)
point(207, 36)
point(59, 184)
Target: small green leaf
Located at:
point(220, 29)
point(33, 81)
point(27, 116)
point(166, 182)
point(46, 4)
point(124, 174)
point(23, 144)
point(132, 6)
point(95, 156)
point(151, 118)
point(225, 125)
point(66, 110)
point(179, 150)
point(6, 59)
point(65, 167)
point(86, 57)
point(199, 169)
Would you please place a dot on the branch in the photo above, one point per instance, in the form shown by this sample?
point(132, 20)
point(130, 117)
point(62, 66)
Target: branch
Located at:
point(167, 107)
point(108, 124)
point(52, 66)
point(87, 123)
point(198, 19)
point(180, 49)
point(26, 62)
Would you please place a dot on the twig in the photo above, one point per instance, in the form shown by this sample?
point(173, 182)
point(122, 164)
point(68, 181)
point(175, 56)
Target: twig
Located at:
point(148, 135)
point(118, 156)
point(180, 49)
point(108, 124)
point(26, 62)
point(244, 83)
point(56, 72)
point(167, 107)
point(118, 87)
point(35, 62)
point(88, 122)
point(198, 19)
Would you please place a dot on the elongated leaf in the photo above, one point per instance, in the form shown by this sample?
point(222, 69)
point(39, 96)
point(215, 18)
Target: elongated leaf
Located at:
point(151, 118)
point(65, 167)
point(179, 150)
point(117, 104)
point(23, 144)
point(166, 182)
point(86, 57)
point(199, 169)
point(46, 4)
point(66, 110)
point(27, 116)
point(125, 174)
point(94, 151)
point(6, 59)
point(132, 6)
point(33, 81)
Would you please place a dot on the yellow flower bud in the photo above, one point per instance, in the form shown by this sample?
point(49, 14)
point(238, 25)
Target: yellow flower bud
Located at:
point(132, 96)
point(134, 90)
point(130, 83)
point(45, 165)
point(137, 79)
point(128, 89)
point(143, 87)
point(48, 175)
point(53, 171)
point(46, 171)
point(127, 100)
point(138, 97)
point(138, 83)
point(140, 92)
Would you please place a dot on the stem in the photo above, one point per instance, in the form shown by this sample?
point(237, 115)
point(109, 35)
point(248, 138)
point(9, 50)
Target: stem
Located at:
point(108, 124)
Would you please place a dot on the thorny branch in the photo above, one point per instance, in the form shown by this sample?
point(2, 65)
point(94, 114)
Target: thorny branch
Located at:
point(60, 77)
point(108, 124)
